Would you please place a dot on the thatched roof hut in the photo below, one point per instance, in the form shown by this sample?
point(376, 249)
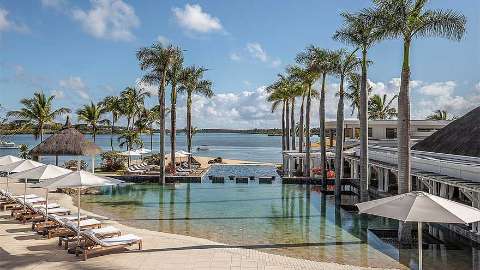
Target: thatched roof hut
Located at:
point(460, 137)
point(68, 142)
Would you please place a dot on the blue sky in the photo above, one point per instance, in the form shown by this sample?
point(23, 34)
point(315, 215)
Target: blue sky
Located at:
point(85, 50)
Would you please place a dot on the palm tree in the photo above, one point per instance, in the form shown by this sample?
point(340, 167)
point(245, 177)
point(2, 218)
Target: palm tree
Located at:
point(279, 94)
point(324, 63)
point(380, 109)
point(409, 19)
point(174, 74)
point(359, 31)
point(113, 105)
point(92, 115)
point(438, 115)
point(37, 111)
point(23, 151)
point(296, 90)
point(353, 94)
point(345, 65)
point(133, 100)
point(157, 60)
point(131, 139)
point(306, 75)
point(192, 83)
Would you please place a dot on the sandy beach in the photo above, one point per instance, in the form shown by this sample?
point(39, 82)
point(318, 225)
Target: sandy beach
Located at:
point(20, 248)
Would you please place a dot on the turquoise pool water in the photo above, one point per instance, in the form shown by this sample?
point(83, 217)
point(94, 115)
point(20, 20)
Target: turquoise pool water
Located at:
point(292, 220)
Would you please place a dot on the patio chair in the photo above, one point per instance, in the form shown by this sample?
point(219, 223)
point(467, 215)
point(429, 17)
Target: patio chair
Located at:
point(60, 229)
point(94, 244)
point(103, 232)
point(40, 224)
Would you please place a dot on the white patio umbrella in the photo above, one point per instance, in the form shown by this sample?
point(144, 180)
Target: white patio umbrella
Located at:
point(419, 206)
point(44, 172)
point(79, 180)
point(9, 159)
point(143, 151)
point(19, 166)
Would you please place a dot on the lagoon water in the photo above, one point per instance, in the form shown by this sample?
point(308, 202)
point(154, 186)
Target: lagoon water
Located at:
point(251, 147)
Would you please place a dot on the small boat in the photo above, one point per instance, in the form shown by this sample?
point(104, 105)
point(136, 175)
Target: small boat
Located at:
point(7, 145)
point(202, 148)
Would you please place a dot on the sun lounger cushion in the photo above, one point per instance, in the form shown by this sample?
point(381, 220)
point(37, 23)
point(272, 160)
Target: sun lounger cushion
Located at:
point(108, 230)
point(28, 196)
point(114, 241)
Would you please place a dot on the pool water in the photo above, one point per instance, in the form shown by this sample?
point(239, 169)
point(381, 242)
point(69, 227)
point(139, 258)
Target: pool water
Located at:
point(292, 220)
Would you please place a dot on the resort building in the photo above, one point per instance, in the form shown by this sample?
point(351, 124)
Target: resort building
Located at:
point(387, 129)
point(446, 163)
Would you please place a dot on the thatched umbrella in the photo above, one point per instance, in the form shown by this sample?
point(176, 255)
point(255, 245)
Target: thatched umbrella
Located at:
point(68, 142)
point(460, 137)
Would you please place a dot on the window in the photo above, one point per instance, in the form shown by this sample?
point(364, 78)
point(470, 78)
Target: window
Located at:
point(357, 132)
point(391, 133)
point(348, 133)
point(425, 129)
point(370, 132)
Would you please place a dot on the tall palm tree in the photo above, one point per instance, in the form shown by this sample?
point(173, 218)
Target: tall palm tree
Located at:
point(324, 61)
point(157, 60)
point(113, 105)
point(346, 64)
point(360, 31)
point(92, 114)
point(408, 20)
point(296, 90)
point(306, 75)
point(131, 139)
point(37, 111)
point(438, 115)
point(193, 83)
point(379, 108)
point(174, 75)
point(277, 96)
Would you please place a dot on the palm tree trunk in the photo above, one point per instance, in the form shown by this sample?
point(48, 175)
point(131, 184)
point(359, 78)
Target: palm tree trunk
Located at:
point(339, 145)
point(111, 132)
point(287, 124)
point(323, 146)
point(161, 101)
point(301, 132)
point(307, 132)
point(363, 115)
point(292, 124)
point(151, 136)
point(94, 133)
point(189, 127)
point(173, 129)
point(284, 144)
point(404, 183)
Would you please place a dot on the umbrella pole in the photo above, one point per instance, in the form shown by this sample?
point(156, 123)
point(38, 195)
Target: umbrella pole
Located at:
point(46, 208)
point(93, 164)
point(25, 197)
point(78, 221)
point(420, 251)
point(8, 174)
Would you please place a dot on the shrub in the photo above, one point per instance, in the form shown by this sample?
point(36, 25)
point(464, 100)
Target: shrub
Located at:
point(73, 164)
point(113, 161)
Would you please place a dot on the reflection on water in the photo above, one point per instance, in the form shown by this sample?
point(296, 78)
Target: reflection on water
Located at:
point(291, 220)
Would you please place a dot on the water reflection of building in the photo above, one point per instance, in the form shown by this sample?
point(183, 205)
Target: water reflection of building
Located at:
point(446, 163)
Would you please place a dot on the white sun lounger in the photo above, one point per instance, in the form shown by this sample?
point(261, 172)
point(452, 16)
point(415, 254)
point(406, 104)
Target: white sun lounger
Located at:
point(102, 232)
point(94, 244)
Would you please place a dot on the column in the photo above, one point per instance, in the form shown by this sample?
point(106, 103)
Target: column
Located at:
point(386, 179)
point(381, 183)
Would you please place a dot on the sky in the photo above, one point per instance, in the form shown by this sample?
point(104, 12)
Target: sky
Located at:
point(82, 51)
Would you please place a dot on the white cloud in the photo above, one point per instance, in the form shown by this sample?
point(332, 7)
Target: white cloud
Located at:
point(75, 84)
point(108, 19)
point(276, 63)
point(477, 86)
point(438, 88)
point(163, 40)
point(235, 57)
point(256, 50)
point(59, 94)
point(194, 19)
point(8, 25)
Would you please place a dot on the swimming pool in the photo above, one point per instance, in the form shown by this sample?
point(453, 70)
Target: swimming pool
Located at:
point(292, 220)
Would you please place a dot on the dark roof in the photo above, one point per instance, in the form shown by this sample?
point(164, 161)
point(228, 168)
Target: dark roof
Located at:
point(68, 142)
point(460, 137)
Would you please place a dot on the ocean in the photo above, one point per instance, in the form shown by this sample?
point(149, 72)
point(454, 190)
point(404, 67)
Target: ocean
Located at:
point(249, 147)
